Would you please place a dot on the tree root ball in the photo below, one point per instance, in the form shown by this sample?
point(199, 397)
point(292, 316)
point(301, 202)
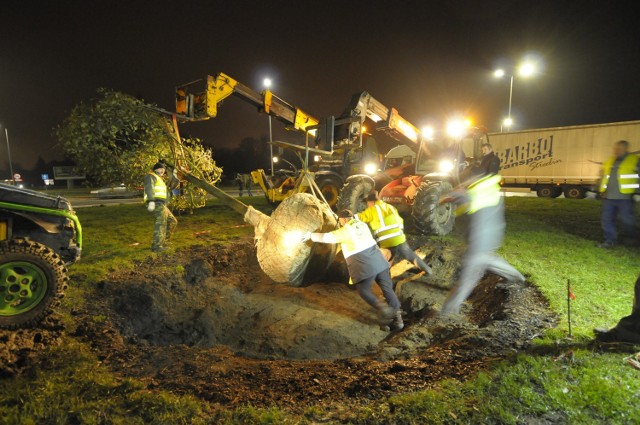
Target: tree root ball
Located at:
point(281, 253)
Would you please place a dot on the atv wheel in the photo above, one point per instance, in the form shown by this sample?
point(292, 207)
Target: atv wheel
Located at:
point(429, 217)
point(330, 189)
point(33, 279)
point(353, 192)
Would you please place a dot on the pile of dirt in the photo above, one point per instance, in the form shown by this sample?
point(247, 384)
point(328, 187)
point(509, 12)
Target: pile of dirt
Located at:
point(208, 322)
point(19, 348)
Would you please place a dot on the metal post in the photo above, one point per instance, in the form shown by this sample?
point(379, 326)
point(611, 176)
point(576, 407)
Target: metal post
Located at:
point(271, 145)
point(6, 133)
point(510, 95)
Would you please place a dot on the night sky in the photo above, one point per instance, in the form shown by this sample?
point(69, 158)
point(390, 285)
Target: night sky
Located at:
point(430, 60)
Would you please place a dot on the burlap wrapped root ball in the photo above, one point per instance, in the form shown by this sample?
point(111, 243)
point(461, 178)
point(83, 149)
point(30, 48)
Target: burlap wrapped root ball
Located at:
point(282, 254)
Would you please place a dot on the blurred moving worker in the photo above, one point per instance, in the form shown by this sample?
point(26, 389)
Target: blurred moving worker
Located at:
point(485, 206)
point(388, 230)
point(619, 183)
point(366, 265)
point(244, 182)
point(628, 328)
point(155, 196)
point(490, 163)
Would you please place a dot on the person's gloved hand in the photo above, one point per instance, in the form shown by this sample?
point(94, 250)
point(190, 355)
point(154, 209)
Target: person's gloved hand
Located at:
point(306, 237)
point(636, 198)
point(151, 206)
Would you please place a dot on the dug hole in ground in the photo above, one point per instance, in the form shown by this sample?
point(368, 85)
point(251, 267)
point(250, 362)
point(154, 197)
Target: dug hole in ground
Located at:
point(207, 321)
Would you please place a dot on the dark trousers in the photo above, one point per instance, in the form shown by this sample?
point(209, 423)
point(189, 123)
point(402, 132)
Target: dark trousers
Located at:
point(383, 279)
point(621, 209)
point(404, 251)
point(628, 328)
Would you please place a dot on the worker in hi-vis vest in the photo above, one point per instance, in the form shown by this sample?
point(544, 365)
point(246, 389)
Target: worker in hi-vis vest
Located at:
point(483, 203)
point(156, 198)
point(388, 230)
point(619, 183)
point(366, 265)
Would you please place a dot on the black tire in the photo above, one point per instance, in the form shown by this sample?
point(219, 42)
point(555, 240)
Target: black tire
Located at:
point(548, 191)
point(26, 300)
point(330, 189)
point(575, 192)
point(429, 217)
point(353, 192)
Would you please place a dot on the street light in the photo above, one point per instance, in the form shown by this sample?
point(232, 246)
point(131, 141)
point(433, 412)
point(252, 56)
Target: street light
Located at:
point(6, 133)
point(525, 70)
point(267, 84)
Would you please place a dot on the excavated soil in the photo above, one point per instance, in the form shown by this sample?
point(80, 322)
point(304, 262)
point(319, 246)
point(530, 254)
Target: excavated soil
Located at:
point(206, 321)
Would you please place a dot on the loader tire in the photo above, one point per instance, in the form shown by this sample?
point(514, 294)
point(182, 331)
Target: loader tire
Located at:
point(330, 189)
point(33, 279)
point(353, 192)
point(429, 217)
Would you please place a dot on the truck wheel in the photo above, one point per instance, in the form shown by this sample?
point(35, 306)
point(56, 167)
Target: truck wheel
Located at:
point(548, 191)
point(33, 279)
point(575, 192)
point(330, 189)
point(429, 217)
point(353, 192)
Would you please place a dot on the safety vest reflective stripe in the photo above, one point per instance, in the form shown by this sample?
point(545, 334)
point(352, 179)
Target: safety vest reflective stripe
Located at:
point(389, 236)
point(383, 224)
point(390, 233)
point(628, 179)
point(484, 193)
point(159, 188)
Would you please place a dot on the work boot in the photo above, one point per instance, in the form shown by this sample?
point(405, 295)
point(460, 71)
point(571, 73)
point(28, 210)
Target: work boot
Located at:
point(385, 312)
point(397, 324)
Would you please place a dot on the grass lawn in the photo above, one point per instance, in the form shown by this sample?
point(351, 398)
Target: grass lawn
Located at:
point(559, 380)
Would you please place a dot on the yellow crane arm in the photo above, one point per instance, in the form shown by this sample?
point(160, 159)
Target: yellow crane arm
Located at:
point(195, 104)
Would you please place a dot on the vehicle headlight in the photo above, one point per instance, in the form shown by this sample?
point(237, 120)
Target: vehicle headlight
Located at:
point(317, 158)
point(445, 166)
point(370, 168)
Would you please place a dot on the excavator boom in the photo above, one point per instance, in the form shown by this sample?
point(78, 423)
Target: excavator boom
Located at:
point(196, 101)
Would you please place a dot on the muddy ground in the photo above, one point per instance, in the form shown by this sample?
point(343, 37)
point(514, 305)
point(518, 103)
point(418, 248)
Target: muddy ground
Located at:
point(206, 321)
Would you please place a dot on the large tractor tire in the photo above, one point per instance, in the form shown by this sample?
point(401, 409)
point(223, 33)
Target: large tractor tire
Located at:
point(33, 279)
point(429, 217)
point(330, 189)
point(353, 192)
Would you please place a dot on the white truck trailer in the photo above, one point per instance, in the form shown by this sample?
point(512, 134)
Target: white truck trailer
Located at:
point(553, 161)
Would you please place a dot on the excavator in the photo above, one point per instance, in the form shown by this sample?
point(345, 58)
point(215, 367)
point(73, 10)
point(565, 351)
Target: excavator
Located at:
point(340, 146)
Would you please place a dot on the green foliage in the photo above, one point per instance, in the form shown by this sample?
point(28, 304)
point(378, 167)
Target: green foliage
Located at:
point(117, 138)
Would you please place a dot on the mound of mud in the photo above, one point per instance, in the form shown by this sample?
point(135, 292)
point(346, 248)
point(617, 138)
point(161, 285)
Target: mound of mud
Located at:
point(19, 348)
point(208, 321)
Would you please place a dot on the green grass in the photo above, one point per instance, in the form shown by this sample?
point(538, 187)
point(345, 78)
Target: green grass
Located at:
point(116, 237)
point(559, 379)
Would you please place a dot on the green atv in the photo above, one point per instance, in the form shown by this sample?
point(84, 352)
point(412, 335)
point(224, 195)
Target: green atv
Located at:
point(39, 236)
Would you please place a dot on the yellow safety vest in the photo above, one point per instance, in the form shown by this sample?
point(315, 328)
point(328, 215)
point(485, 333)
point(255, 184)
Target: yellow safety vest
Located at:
point(386, 224)
point(628, 179)
point(159, 188)
point(354, 237)
point(484, 193)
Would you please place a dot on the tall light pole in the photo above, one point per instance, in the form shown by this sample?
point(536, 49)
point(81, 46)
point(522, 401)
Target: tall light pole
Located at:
point(6, 133)
point(267, 84)
point(525, 70)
